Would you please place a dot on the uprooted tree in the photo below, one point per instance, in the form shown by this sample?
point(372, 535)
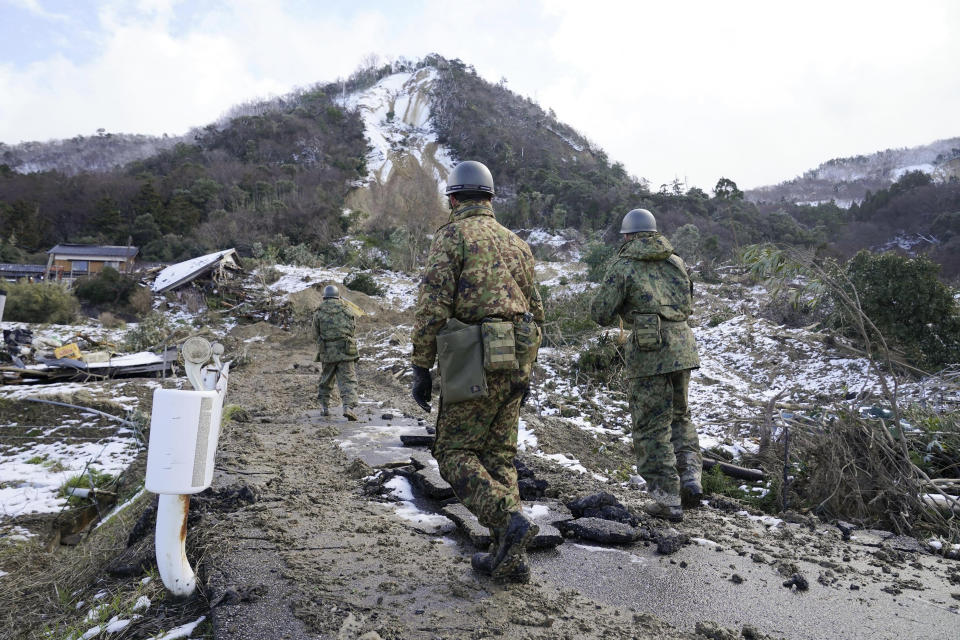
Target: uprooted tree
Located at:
point(866, 466)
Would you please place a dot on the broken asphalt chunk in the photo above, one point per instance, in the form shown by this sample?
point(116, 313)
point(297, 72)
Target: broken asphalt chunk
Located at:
point(599, 530)
point(428, 482)
point(604, 506)
point(417, 440)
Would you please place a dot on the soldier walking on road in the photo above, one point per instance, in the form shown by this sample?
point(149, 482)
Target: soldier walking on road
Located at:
point(334, 325)
point(648, 287)
point(479, 311)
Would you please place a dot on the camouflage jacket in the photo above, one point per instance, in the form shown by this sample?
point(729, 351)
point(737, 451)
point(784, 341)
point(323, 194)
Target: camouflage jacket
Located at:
point(476, 268)
point(334, 326)
point(647, 277)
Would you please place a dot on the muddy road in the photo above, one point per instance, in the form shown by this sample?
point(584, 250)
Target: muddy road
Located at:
point(339, 545)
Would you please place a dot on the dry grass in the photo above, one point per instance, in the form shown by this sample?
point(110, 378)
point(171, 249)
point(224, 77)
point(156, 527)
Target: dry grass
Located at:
point(37, 593)
point(39, 599)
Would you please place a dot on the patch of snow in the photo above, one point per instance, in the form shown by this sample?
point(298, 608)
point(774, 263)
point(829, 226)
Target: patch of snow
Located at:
point(526, 438)
point(91, 633)
point(115, 625)
point(765, 520)
point(143, 602)
point(401, 290)
point(94, 613)
point(180, 632)
point(33, 488)
point(704, 542)
point(428, 522)
point(536, 511)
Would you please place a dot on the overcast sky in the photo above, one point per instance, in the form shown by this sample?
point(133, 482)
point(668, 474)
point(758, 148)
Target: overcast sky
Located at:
point(754, 91)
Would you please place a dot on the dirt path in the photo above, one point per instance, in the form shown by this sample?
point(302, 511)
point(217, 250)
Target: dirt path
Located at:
point(314, 557)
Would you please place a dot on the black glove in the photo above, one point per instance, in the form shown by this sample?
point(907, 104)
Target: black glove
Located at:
point(526, 394)
point(422, 390)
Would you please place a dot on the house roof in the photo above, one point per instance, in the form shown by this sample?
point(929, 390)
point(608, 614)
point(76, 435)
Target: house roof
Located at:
point(92, 250)
point(21, 268)
point(183, 272)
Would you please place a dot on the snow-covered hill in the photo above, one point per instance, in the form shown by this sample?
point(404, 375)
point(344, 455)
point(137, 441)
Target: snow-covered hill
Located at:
point(845, 180)
point(396, 117)
point(407, 166)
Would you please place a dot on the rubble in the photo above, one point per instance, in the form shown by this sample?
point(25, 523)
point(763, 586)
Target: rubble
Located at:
point(599, 530)
point(182, 273)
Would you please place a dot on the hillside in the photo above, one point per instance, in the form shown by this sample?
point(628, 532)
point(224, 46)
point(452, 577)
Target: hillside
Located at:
point(847, 180)
point(101, 152)
point(369, 155)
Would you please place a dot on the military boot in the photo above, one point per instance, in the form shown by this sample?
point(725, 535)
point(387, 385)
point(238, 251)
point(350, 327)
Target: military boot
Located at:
point(324, 409)
point(664, 512)
point(691, 490)
point(665, 505)
point(511, 559)
point(349, 414)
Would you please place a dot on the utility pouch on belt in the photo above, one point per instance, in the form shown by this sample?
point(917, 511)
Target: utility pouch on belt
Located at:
point(460, 360)
point(499, 346)
point(646, 331)
point(527, 337)
point(338, 349)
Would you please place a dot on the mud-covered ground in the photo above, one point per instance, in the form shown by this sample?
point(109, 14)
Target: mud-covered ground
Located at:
point(321, 555)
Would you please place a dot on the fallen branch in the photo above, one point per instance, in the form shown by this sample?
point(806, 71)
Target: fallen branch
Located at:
point(733, 470)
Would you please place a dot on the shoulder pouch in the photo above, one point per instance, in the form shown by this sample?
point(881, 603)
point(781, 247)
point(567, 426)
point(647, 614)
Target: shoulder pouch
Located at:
point(460, 360)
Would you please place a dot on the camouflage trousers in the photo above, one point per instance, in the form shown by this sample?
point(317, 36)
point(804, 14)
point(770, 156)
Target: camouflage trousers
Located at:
point(476, 445)
point(345, 375)
point(664, 438)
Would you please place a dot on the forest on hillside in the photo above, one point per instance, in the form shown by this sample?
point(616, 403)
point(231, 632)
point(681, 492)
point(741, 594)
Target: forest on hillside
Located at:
point(276, 174)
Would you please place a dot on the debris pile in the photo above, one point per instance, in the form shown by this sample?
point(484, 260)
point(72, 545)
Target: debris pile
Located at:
point(26, 359)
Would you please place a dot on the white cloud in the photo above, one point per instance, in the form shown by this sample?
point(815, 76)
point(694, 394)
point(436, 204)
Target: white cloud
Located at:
point(751, 90)
point(757, 91)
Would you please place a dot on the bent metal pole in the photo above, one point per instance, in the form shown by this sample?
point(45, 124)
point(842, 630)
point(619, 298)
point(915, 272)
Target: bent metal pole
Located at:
point(172, 563)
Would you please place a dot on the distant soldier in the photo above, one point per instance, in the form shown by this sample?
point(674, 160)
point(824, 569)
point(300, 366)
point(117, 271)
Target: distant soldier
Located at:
point(334, 325)
point(648, 287)
point(479, 302)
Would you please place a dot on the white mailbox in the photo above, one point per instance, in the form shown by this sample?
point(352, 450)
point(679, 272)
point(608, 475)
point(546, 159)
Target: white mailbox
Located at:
point(184, 431)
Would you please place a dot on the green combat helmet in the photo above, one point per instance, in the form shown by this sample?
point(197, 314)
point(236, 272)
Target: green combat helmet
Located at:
point(330, 291)
point(470, 176)
point(638, 220)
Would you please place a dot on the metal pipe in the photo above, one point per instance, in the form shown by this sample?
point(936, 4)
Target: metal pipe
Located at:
point(171, 538)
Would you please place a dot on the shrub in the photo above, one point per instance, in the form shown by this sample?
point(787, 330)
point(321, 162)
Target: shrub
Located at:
point(40, 302)
point(141, 301)
point(686, 242)
point(567, 318)
point(364, 283)
point(152, 331)
point(110, 321)
point(597, 256)
point(908, 304)
point(109, 287)
point(603, 359)
point(269, 275)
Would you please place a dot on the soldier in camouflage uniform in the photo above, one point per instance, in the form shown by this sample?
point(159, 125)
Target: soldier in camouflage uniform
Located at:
point(334, 326)
point(478, 269)
point(648, 287)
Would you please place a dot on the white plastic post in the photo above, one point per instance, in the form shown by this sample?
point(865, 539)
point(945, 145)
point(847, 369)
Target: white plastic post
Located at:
point(184, 431)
